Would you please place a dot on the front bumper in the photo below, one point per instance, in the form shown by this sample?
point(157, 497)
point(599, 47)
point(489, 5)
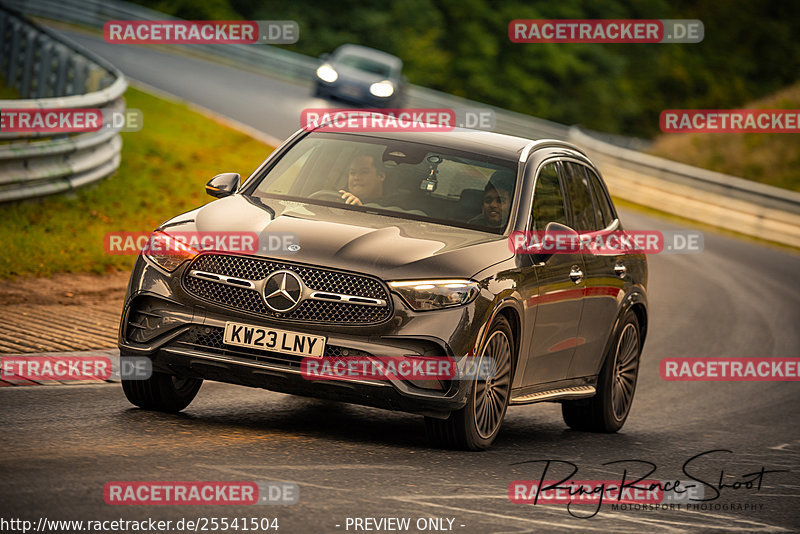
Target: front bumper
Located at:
point(183, 336)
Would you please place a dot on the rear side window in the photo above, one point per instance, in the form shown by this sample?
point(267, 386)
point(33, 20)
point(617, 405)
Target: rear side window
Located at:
point(601, 198)
point(580, 197)
point(548, 201)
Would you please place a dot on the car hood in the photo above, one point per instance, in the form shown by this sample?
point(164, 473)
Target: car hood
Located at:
point(387, 247)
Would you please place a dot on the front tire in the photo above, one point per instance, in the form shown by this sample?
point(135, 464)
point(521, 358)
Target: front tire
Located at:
point(609, 408)
point(476, 425)
point(162, 392)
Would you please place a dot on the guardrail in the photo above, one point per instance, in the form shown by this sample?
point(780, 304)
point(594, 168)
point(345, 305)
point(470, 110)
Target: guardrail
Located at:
point(95, 13)
point(51, 72)
point(713, 198)
point(710, 197)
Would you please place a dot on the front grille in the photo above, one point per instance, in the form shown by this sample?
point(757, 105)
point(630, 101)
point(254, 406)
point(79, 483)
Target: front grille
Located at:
point(314, 311)
point(209, 339)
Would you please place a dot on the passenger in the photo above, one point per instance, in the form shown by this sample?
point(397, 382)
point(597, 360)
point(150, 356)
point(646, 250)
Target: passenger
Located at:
point(497, 197)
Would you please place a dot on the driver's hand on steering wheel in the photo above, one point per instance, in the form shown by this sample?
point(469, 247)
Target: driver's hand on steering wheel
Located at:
point(350, 198)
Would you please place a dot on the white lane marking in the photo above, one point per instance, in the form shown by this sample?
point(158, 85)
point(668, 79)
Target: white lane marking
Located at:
point(250, 474)
point(729, 522)
point(566, 524)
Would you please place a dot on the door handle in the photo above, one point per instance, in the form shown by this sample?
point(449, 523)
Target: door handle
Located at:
point(620, 270)
point(575, 274)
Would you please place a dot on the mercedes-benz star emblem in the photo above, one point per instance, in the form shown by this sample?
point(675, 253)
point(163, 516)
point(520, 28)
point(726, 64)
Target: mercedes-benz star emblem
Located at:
point(282, 291)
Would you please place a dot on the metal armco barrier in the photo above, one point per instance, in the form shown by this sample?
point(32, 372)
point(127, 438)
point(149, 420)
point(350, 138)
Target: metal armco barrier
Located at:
point(50, 72)
point(710, 197)
point(701, 195)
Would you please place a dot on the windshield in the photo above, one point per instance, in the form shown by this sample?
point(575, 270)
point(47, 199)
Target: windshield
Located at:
point(397, 178)
point(367, 65)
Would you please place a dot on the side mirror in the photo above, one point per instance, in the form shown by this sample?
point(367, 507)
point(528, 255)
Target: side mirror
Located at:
point(557, 239)
point(223, 185)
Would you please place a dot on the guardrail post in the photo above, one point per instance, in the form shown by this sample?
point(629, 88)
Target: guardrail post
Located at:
point(13, 56)
point(27, 63)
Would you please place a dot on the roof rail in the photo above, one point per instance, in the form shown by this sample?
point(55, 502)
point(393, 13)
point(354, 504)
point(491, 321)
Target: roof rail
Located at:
point(545, 143)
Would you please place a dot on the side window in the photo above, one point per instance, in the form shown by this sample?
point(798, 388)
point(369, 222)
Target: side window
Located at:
point(548, 202)
point(580, 196)
point(601, 198)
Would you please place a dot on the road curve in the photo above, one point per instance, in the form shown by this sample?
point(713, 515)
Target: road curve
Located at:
point(736, 298)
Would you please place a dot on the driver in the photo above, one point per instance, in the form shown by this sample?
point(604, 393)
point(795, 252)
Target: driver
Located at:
point(365, 180)
point(497, 196)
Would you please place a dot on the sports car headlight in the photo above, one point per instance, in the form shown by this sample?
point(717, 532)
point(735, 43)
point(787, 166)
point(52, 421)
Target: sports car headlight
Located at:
point(326, 73)
point(382, 89)
point(167, 252)
point(435, 294)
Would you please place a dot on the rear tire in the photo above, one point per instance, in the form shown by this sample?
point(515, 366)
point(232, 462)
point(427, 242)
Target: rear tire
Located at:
point(609, 408)
point(475, 426)
point(162, 392)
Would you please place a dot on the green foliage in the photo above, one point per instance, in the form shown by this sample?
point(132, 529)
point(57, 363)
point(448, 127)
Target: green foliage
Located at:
point(462, 47)
point(192, 9)
point(769, 158)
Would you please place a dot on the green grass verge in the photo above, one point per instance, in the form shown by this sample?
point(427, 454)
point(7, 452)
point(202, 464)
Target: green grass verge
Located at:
point(164, 168)
point(769, 158)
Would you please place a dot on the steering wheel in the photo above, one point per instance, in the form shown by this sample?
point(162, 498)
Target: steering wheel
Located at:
point(326, 194)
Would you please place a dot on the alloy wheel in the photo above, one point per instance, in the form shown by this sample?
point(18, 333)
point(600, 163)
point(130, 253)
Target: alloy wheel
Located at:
point(626, 366)
point(491, 392)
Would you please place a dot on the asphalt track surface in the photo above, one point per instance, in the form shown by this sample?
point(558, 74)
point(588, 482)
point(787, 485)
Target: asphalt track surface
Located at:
point(59, 445)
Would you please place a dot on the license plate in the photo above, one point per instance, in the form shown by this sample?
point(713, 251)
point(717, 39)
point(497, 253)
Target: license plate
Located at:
point(284, 341)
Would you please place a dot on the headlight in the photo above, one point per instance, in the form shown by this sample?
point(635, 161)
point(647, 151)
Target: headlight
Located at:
point(382, 89)
point(167, 252)
point(326, 73)
point(435, 294)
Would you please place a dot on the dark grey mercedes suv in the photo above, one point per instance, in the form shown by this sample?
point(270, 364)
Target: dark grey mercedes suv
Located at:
point(400, 248)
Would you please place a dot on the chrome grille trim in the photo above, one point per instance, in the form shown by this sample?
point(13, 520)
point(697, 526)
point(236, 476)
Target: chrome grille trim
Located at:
point(230, 280)
point(307, 293)
point(339, 297)
point(328, 296)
